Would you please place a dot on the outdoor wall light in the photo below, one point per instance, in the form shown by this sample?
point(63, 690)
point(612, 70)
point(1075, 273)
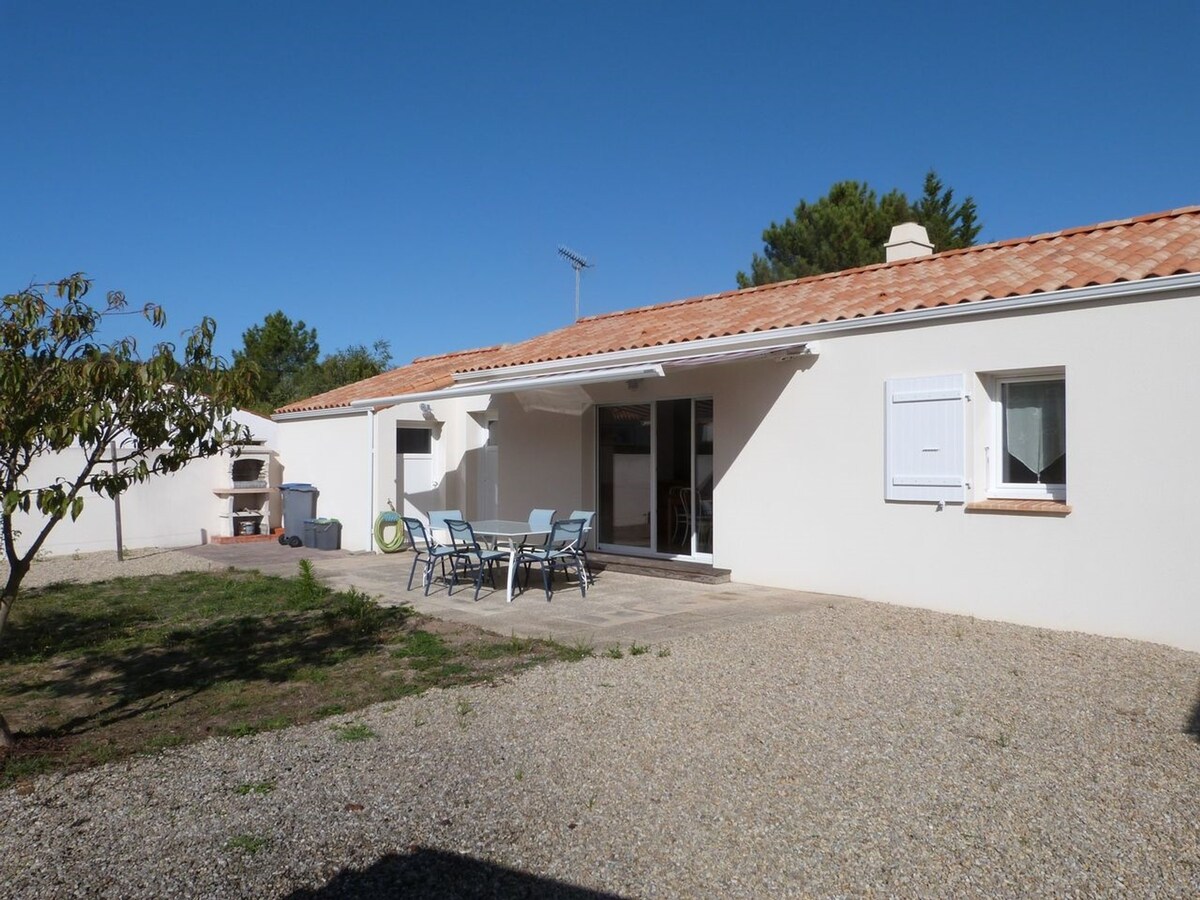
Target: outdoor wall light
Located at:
point(633, 383)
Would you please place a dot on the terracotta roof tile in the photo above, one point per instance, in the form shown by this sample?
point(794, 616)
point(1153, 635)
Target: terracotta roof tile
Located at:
point(1150, 246)
point(427, 373)
point(1154, 245)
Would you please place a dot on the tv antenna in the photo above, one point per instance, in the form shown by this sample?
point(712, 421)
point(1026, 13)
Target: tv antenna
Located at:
point(578, 263)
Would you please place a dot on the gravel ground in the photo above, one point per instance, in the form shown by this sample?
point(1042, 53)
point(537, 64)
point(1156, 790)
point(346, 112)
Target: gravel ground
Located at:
point(857, 750)
point(103, 566)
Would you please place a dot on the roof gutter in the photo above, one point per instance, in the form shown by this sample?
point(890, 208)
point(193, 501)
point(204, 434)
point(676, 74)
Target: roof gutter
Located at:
point(315, 413)
point(590, 375)
point(787, 338)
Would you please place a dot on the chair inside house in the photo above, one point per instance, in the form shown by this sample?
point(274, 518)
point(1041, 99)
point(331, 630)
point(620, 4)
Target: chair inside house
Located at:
point(437, 524)
point(468, 557)
point(560, 549)
point(426, 551)
point(679, 501)
point(581, 548)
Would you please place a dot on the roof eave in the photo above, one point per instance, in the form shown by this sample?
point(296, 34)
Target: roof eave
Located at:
point(786, 338)
point(321, 413)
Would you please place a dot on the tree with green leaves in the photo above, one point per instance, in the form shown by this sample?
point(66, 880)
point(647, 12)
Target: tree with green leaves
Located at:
point(348, 366)
point(283, 354)
point(849, 226)
point(950, 227)
point(132, 418)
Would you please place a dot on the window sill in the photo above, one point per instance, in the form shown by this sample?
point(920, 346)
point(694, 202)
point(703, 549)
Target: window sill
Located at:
point(1021, 507)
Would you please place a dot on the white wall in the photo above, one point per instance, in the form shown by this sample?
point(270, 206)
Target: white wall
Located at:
point(331, 453)
point(799, 465)
point(175, 510)
point(1119, 564)
point(539, 459)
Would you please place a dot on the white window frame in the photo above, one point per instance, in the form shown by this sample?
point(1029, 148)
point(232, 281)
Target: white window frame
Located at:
point(998, 488)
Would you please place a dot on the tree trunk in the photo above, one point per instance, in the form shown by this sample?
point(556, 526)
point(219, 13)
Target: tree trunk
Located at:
point(7, 596)
point(15, 576)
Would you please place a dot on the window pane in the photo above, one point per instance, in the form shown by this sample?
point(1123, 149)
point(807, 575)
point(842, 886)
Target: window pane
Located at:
point(1035, 432)
point(673, 455)
point(413, 440)
point(625, 474)
point(704, 476)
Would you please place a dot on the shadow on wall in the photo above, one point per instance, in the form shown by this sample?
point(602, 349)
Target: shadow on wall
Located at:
point(737, 422)
point(545, 476)
point(434, 873)
point(275, 501)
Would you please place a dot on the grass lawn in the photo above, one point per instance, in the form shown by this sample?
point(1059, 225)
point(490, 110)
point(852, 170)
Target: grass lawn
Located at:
point(95, 672)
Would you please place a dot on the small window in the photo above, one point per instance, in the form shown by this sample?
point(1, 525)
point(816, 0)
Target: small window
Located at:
point(413, 440)
point(1030, 456)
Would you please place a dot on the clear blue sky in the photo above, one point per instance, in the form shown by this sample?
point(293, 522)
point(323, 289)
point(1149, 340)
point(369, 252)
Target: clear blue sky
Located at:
point(405, 171)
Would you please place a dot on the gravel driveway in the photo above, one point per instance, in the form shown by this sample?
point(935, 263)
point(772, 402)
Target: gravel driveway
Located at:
point(857, 750)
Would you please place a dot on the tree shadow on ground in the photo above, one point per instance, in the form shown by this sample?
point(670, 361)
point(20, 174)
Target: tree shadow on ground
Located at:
point(66, 631)
point(428, 873)
point(193, 658)
point(1192, 726)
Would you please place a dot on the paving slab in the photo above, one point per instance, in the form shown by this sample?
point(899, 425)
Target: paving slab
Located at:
point(619, 608)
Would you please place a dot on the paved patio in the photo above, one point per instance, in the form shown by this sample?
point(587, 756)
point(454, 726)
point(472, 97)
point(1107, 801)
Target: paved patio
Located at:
point(618, 608)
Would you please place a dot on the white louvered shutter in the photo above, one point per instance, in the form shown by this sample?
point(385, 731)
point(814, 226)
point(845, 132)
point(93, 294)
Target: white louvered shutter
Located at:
point(926, 438)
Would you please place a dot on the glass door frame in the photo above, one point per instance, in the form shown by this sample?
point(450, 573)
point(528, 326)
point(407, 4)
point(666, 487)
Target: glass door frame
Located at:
point(652, 551)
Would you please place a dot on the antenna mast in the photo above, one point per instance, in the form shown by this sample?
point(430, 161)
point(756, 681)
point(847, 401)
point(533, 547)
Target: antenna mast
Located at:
point(578, 263)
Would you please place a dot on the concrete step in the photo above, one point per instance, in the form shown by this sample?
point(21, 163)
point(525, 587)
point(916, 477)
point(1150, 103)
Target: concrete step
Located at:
point(676, 570)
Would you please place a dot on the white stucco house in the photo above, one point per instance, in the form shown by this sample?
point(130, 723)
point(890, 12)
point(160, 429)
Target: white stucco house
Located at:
point(1005, 431)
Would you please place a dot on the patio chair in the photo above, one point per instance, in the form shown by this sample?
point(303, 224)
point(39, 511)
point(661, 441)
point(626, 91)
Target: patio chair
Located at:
point(581, 548)
point(419, 540)
point(437, 524)
point(469, 556)
point(539, 520)
point(559, 550)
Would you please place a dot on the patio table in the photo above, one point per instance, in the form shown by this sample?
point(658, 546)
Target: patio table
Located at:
point(512, 533)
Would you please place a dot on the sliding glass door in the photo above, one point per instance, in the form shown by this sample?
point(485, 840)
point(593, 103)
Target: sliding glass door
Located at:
point(625, 475)
point(655, 477)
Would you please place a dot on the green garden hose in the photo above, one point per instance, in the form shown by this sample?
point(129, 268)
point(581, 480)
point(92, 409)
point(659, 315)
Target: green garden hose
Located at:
point(388, 519)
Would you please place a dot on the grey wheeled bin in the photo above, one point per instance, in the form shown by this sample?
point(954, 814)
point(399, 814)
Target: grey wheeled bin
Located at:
point(299, 503)
point(329, 534)
point(323, 534)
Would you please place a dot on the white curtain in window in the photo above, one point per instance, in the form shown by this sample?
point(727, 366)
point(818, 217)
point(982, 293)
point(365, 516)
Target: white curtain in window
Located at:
point(1035, 422)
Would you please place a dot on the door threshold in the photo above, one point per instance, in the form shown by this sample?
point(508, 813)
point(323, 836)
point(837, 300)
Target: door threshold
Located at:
point(657, 567)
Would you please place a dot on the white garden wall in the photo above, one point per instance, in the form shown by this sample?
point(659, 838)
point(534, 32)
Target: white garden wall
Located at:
point(175, 510)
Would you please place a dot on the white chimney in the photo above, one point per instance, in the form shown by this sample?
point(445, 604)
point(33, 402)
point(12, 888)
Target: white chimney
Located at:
point(908, 241)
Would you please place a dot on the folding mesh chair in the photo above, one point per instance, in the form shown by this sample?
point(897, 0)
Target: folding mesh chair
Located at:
point(469, 556)
point(427, 550)
point(559, 550)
